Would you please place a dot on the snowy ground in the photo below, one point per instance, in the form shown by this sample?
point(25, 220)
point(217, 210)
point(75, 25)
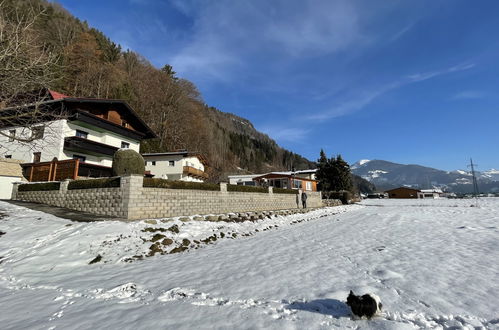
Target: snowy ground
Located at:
point(432, 262)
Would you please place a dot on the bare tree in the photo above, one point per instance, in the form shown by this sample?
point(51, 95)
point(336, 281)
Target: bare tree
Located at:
point(26, 68)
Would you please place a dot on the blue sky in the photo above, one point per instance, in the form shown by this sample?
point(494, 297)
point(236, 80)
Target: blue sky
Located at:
point(413, 82)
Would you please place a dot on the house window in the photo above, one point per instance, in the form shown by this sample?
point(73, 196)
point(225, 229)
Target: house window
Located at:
point(81, 134)
point(81, 158)
point(125, 145)
point(37, 156)
point(12, 135)
point(297, 184)
point(153, 163)
point(171, 163)
point(309, 185)
point(8, 156)
point(37, 132)
point(124, 123)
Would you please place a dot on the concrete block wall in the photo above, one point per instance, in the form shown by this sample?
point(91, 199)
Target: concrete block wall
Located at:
point(132, 201)
point(102, 201)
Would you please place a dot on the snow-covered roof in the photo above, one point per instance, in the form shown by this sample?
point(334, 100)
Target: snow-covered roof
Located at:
point(438, 191)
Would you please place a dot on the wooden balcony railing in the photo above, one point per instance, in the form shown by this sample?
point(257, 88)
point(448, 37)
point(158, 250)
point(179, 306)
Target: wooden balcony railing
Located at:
point(194, 172)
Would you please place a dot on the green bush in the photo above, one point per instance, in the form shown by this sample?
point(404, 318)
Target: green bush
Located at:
point(344, 196)
point(285, 191)
point(45, 186)
point(94, 183)
point(128, 161)
point(168, 184)
point(233, 187)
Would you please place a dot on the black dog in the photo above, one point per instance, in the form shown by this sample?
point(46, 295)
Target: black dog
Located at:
point(368, 305)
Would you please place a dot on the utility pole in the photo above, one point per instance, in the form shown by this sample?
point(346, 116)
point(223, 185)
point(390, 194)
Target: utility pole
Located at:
point(475, 184)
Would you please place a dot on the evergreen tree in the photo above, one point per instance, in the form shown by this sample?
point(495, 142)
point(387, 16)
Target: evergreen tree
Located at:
point(333, 174)
point(344, 175)
point(322, 174)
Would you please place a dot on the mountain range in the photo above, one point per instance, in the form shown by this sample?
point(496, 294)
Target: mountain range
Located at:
point(387, 175)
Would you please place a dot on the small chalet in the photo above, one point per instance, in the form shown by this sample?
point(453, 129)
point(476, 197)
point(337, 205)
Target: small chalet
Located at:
point(404, 192)
point(179, 165)
point(77, 134)
point(286, 180)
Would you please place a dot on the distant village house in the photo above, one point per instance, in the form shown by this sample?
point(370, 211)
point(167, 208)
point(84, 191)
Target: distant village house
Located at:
point(180, 165)
point(406, 192)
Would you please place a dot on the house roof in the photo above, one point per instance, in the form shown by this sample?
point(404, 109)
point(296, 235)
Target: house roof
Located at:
point(406, 188)
point(66, 100)
point(276, 175)
point(56, 95)
point(438, 191)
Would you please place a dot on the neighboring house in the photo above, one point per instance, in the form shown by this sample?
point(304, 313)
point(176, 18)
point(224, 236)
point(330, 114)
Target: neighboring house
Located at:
point(179, 165)
point(87, 129)
point(243, 180)
point(432, 193)
point(247, 179)
point(404, 192)
point(10, 172)
point(286, 180)
point(306, 174)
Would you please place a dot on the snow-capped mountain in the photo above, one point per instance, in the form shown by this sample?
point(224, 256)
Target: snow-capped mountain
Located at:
point(387, 175)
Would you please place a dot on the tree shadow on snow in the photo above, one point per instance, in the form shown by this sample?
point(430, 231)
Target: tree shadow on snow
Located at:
point(332, 307)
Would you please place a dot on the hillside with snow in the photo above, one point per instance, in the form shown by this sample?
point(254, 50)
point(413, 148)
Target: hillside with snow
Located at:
point(432, 262)
point(387, 175)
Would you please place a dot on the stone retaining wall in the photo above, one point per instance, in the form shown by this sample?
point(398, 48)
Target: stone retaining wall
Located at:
point(132, 201)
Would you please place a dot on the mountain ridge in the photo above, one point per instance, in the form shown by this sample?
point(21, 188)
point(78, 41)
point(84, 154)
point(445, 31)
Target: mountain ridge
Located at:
point(387, 175)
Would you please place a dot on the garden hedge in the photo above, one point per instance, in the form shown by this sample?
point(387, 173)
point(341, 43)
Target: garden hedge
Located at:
point(45, 186)
point(169, 184)
point(233, 187)
point(285, 191)
point(94, 183)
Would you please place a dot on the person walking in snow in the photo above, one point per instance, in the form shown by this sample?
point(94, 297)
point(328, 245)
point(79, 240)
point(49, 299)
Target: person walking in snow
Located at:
point(304, 199)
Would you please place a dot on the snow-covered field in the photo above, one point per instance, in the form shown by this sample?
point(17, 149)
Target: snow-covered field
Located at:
point(434, 263)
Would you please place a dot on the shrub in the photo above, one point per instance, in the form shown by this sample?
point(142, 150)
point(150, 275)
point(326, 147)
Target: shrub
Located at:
point(45, 186)
point(344, 196)
point(285, 191)
point(94, 183)
point(168, 184)
point(233, 187)
point(128, 161)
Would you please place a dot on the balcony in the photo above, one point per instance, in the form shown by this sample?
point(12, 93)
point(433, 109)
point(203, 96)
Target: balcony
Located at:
point(82, 145)
point(194, 172)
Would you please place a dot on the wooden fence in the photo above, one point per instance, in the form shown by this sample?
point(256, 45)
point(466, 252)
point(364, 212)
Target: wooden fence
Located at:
point(51, 171)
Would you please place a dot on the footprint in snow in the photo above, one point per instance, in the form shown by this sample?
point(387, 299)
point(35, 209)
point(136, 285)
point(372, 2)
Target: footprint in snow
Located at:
point(126, 293)
point(276, 309)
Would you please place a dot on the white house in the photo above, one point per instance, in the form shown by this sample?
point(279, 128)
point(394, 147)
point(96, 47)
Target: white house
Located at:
point(248, 179)
point(179, 165)
point(243, 180)
point(90, 130)
point(431, 193)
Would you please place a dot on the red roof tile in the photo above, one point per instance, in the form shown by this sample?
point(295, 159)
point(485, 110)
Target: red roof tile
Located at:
point(57, 96)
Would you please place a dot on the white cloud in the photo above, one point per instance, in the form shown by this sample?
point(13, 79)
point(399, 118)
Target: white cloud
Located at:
point(428, 75)
point(468, 95)
point(285, 134)
point(360, 100)
point(227, 34)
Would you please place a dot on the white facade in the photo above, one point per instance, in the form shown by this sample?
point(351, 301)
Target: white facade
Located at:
point(244, 180)
point(247, 179)
point(172, 166)
point(52, 143)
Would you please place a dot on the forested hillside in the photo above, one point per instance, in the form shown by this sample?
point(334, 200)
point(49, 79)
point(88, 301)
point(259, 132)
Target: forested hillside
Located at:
point(65, 54)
